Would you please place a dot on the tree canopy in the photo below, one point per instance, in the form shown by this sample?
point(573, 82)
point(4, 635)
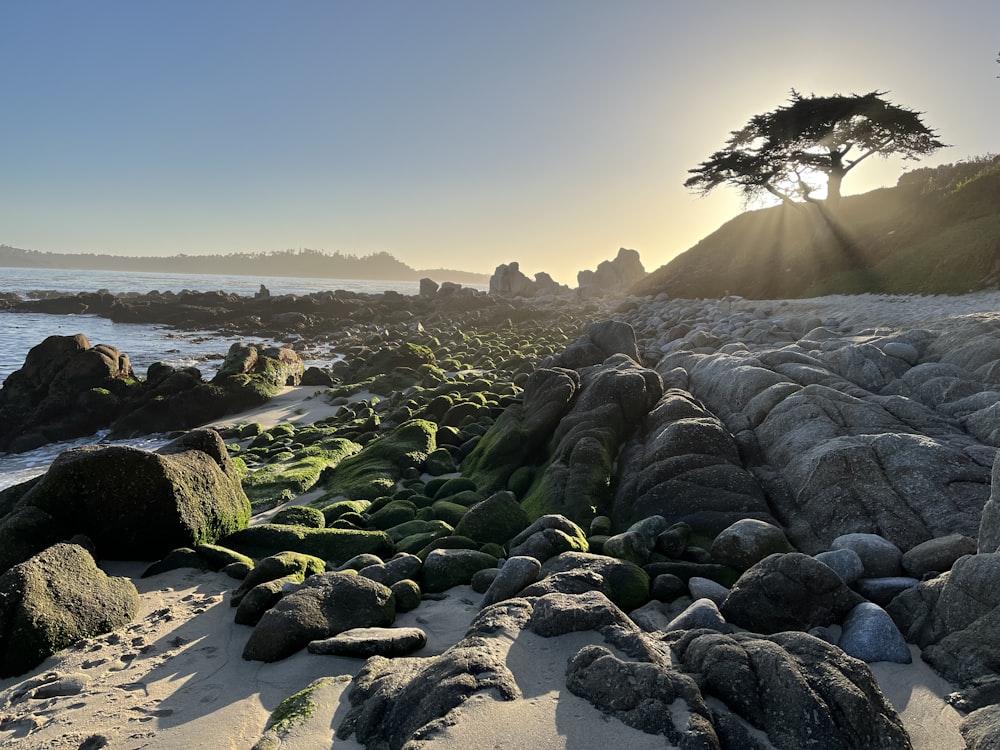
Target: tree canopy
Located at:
point(793, 150)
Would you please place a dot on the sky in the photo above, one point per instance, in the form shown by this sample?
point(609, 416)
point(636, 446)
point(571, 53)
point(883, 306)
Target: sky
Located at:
point(449, 133)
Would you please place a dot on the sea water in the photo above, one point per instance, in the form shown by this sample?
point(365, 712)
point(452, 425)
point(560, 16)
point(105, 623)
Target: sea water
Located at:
point(144, 344)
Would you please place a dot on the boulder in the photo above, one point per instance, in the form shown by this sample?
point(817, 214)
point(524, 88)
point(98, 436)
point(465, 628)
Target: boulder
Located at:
point(323, 606)
point(879, 557)
point(291, 565)
point(138, 505)
point(937, 555)
point(513, 576)
point(445, 568)
point(706, 588)
point(747, 542)
point(869, 634)
point(627, 583)
point(498, 519)
point(796, 689)
point(56, 598)
point(362, 643)
point(788, 592)
point(701, 613)
point(683, 464)
point(846, 563)
point(65, 389)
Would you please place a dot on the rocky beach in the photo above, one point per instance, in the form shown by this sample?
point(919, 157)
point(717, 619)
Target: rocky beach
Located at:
point(533, 517)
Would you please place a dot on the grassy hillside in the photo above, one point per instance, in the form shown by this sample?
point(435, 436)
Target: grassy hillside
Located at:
point(937, 231)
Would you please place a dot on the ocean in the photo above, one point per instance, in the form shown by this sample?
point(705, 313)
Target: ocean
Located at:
point(144, 344)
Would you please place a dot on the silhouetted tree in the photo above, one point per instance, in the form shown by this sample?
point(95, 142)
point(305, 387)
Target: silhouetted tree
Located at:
point(790, 151)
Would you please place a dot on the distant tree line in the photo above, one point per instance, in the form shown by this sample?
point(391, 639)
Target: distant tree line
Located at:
point(303, 262)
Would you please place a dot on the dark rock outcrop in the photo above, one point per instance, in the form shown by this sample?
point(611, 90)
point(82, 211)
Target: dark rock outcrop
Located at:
point(788, 592)
point(65, 389)
point(576, 480)
point(683, 464)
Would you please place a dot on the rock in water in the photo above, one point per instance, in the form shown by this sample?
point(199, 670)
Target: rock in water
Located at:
point(65, 389)
point(55, 598)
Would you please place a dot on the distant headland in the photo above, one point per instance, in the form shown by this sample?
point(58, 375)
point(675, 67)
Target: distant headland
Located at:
point(295, 263)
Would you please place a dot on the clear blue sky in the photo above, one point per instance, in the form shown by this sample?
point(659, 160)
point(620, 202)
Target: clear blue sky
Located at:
point(448, 133)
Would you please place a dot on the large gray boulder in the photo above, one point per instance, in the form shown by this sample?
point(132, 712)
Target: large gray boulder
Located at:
point(56, 598)
point(747, 542)
point(323, 606)
point(837, 455)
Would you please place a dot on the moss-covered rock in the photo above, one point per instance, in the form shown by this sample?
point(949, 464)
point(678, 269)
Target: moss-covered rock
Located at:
point(333, 545)
point(54, 599)
point(219, 557)
point(407, 593)
point(300, 515)
point(296, 473)
point(576, 481)
point(294, 566)
point(496, 519)
point(445, 568)
point(379, 466)
point(440, 462)
point(520, 434)
point(333, 511)
point(450, 513)
point(138, 505)
point(392, 514)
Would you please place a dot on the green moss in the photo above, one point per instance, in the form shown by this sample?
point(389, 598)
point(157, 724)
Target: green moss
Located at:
point(296, 473)
point(300, 515)
point(376, 469)
point(331, 544)
point(296, 709)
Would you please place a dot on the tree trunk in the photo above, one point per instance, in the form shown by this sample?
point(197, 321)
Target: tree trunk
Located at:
point(835, 177)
